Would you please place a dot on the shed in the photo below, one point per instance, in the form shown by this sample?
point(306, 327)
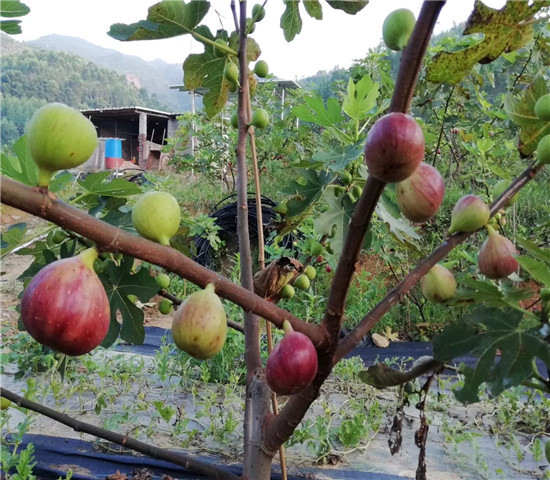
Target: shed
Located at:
point(142, 132)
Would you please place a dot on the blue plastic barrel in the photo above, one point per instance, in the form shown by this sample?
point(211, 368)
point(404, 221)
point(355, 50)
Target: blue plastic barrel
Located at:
point(113, 148)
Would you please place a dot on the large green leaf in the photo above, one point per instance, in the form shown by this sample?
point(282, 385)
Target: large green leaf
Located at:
point(335, 221)
point(539, 271)
point(166, 19)
point(339, 158)
point(13, 8)
point(22, 167)
point(11, 27)
point(503, 30)
point(315, 111)
point(361, 98)
point(489, 293)
point(119, 282)
point(291, 22)
point(97, 184)
point(399, 225)
point(306, 190)
point(504, 350)
point(534, 250)
point(522, 112)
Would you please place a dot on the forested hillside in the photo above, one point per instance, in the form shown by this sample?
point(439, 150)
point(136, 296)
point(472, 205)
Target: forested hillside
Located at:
point(31, 77)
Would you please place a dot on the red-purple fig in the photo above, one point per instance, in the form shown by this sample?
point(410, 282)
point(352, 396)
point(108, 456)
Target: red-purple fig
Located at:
point(292, 365)
point(420, 195)
point(65, 306)
point(199, 326)
point(439, 284)
point(496, 257)
point(395, 147)
point(469, 214)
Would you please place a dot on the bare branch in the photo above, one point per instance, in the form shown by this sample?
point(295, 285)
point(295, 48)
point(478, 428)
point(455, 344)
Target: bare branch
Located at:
point(177, 458)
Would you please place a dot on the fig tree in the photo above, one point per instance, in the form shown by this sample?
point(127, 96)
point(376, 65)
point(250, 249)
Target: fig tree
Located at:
point(542, 107)
point(496, 257)
point(439, 284)
point(65, 306)
point(59, 137)
point(156, 216)
point(419, 196)
point(292, 365)
point(395, 147)
point(199, 327)
point(260, 118)
point(397, 28)
point(469, 214)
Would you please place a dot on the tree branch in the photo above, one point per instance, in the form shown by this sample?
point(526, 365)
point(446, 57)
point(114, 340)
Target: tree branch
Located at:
point(282, 426)
point(112, 239)
point(182, 459)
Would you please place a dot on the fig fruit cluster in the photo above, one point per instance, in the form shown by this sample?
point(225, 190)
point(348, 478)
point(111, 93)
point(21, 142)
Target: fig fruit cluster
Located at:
point(65, 306)
point(292, 365)
point(199, 326)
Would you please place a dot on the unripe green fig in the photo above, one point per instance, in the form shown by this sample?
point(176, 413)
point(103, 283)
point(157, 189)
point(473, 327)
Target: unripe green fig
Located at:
point(310, 272)
point(469, 214)
point(250, 25)
point(231, 73)
point(156, 216)
point(356, 191)
point(302, 282)
point(234, 120)
point(261, 68)
point(346, 178)
point(4, 403)
point(65, 306)
point(316, 248)
point(500, 187)
point(543, 151)
point(397, 28)
point(163, 280)
point(496, 257)
point(133, 298)
point(394, 148)
point(439, 284)
point(199, 326)
point(165, 306)
point(258, 12)
point(287, 291)
point(59, 137)
point(220, 52)
point(260, 118)
point(542, 107)
point(58, 237)
point(419, 196)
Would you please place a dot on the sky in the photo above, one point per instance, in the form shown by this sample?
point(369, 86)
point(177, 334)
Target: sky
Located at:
point(335, 41)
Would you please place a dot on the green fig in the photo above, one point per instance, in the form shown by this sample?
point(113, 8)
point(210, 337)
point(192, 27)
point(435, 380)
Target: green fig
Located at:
point(542, 107)
point(199, 326)
point(59, 138)
point(438, 285)
point(163, 280)
point(397, 28)
point(287, 291)
point(234, 120)
point(261, 68)
point(310, 272)
point(231, 73)
point(302, 282)
point(469, 214)
point(258, 12)
point(156, 216)
point(165, 306)
point(4, 403)
point(500, 187)
point(543, 151)
point(260, 118)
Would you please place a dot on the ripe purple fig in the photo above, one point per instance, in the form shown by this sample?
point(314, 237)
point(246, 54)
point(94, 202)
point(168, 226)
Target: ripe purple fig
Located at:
point(395, 147)
point(420, 195)
point(65, 306)
point(439, 284)
point(469, 214)
point(199, 326)
point(496, 257)
point(292, 365)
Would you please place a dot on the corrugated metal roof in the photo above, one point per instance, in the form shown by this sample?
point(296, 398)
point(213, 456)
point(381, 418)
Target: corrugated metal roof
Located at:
point(129, 109)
